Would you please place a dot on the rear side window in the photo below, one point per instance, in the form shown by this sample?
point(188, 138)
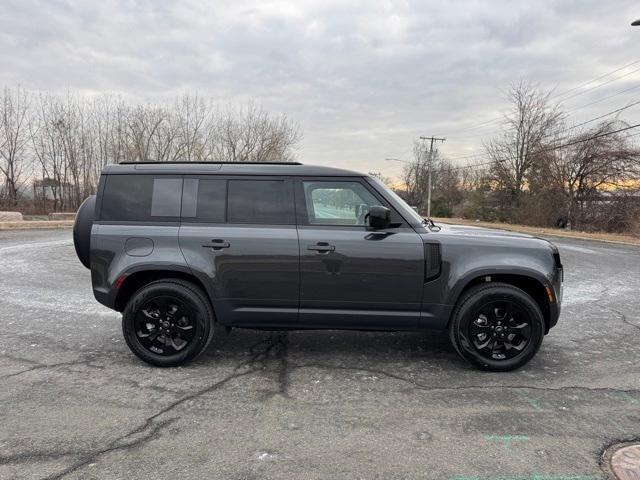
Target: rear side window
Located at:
point(204, 200)
point(141, 198)
point(260, 202)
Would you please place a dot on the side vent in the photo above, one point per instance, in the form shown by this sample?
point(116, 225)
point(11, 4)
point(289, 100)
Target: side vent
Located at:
point(433, 261)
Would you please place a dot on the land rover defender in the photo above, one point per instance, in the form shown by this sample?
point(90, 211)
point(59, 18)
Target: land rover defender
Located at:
point(186, 249)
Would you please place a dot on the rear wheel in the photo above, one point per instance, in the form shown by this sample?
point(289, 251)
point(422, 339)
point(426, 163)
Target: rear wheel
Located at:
point(168, 323)
point(497, 327)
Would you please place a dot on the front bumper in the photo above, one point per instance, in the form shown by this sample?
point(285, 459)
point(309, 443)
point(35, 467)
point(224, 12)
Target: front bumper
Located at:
point(558, 289)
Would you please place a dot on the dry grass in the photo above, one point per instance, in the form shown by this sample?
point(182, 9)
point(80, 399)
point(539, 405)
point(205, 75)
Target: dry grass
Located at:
point(602, 237)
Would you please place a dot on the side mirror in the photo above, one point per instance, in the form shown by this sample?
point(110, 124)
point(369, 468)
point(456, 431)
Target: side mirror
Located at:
point(379, 217)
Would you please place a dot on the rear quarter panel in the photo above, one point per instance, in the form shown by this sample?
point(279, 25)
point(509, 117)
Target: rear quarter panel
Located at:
point(111, 258)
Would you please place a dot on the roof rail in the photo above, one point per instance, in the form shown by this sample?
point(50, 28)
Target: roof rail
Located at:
point(151, 162)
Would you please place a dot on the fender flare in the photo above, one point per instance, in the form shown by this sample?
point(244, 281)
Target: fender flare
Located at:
point(183, 271)
point(463, 282)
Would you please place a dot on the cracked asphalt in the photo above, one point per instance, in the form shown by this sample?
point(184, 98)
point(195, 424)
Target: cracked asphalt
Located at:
point(76, 404)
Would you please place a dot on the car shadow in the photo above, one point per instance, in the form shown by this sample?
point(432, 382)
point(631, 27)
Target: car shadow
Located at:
point(423, 353)
point(363, 347)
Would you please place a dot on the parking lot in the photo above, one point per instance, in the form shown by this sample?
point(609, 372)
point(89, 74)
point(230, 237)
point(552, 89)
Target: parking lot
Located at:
point(75, 403)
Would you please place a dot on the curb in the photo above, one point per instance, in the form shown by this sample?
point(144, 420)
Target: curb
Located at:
point(36, 225)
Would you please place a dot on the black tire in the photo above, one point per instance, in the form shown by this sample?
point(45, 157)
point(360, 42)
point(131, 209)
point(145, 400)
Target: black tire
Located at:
point(82, 230)
point(475, 320)
point(168, 303)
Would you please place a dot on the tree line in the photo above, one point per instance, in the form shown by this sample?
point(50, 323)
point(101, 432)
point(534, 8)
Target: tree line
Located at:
point(539, 170)
point(53, 147)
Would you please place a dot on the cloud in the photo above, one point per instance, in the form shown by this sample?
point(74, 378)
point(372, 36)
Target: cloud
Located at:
point(362, 78)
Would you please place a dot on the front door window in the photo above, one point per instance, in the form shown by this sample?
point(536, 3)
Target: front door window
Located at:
point(337, 203)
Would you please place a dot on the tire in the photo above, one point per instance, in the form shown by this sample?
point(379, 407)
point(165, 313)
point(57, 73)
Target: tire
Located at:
point(173, 306)
point(504, 319)
point(82, 230)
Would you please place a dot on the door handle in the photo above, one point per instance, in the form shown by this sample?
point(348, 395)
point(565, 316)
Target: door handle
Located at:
point(322, 247)
point(217, 244)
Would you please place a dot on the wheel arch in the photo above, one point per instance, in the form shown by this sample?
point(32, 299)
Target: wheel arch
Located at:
point(531, 284)
point(134, 281)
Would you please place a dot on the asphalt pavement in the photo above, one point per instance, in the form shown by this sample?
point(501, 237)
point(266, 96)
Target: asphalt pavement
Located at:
point(76, 404)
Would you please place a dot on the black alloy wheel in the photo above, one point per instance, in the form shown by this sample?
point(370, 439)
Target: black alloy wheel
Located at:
point(500, 330)
point(168, 322)
point(165, 325)
point(497, 326)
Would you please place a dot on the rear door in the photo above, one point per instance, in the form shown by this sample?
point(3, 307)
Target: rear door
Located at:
point(351, 276)
point(137, 228)
point(240, 234)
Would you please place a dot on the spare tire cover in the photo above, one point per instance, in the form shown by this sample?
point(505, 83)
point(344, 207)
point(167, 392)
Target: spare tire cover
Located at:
point(82, 230)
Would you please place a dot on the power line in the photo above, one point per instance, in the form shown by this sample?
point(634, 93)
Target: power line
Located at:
point(549, 149)
point(488, 134)
point(476, 155)
point(472, 155)
point(462, 167)
point(595, 79)
point(488, 122)
point(482, 155)
point(606, 134)
point(600, 85)
point(608, 97)
point(602, 116)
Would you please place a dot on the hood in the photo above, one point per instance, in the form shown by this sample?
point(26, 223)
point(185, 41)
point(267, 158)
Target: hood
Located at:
point(470, 231)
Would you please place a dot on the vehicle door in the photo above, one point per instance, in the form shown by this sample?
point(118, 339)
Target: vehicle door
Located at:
point(350, 275)
point(239, 233)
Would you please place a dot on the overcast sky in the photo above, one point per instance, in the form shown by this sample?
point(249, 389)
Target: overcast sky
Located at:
point(362, 78)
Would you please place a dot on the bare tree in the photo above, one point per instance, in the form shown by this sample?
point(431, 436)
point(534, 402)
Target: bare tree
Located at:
point(193, 117)
point(596, 159)
point(150, 135)
point(14, 141)
point(528, 126)
point(109, 115)
point(72, 137)
point(415, 176)
point(447, 191)
point(383, 178)
point(47, 146)
point(250, 134)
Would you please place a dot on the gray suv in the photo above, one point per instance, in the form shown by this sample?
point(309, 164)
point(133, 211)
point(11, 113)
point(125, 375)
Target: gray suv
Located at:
point(185, 249)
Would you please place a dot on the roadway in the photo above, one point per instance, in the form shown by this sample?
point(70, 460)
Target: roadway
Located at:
point(75, 403)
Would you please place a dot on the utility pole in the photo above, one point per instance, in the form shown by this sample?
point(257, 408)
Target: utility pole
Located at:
point(432, 139)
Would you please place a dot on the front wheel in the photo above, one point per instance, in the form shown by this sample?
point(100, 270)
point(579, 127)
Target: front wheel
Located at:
point(497, 327)
point(168, 323)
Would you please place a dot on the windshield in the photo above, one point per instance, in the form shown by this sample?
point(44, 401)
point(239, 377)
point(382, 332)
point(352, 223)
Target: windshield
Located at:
point(399, 203)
